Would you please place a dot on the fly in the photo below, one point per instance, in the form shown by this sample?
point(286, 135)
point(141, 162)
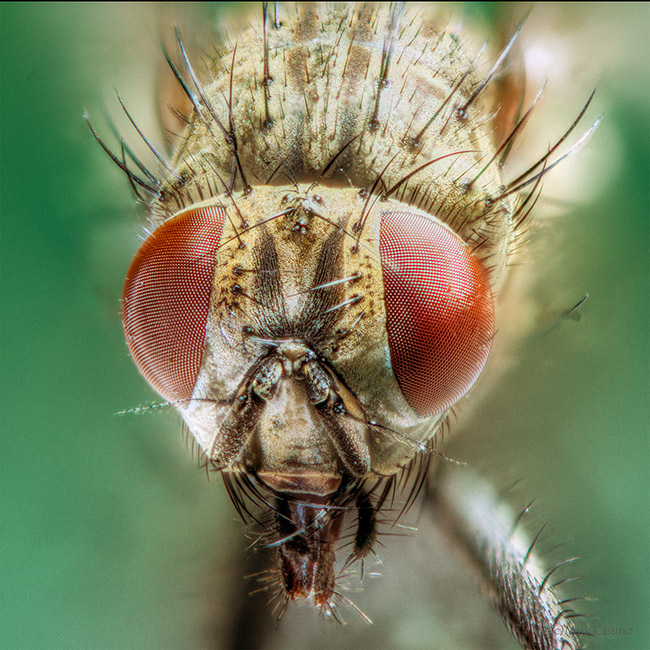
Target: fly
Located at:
point(321, 286)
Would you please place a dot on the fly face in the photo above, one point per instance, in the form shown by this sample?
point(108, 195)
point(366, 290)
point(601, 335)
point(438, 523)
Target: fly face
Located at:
point(315, 344)
point(319, 289)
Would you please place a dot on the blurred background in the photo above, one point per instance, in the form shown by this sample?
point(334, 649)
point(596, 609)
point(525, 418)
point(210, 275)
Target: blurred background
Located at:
point(110, 538)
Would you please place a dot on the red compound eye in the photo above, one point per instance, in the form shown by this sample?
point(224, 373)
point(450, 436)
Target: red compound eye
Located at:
point(439, 310)
point(166, 299)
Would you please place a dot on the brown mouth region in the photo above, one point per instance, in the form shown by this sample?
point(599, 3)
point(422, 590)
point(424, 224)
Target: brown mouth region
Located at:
point(310, 510)
point(309, 528)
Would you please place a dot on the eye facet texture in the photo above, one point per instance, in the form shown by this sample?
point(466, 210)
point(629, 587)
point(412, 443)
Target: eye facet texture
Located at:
point(166, 299)
point(439, 310)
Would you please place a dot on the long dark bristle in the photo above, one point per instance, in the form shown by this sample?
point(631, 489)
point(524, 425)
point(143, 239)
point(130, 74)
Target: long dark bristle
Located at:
point(151, 189)
point(462, 111)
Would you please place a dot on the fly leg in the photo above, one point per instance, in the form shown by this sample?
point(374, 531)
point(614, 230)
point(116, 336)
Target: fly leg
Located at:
point(487, 532)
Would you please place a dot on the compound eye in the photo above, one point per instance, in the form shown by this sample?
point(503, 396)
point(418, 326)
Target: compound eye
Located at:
point(439, 310)
point(166, 299)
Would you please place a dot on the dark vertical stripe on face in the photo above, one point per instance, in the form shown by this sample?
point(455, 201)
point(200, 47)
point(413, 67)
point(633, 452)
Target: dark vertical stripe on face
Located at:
point(270, 309)
point(315, 322)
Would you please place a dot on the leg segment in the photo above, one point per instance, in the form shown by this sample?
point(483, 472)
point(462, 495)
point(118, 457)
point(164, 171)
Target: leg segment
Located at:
point(480, 524)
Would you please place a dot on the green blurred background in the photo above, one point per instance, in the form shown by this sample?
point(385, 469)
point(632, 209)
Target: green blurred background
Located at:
point(109, 536)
